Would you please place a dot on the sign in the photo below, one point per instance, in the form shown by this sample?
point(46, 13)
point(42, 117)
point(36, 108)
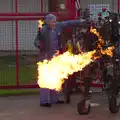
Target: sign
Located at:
point(97, 8)
point(62, 6)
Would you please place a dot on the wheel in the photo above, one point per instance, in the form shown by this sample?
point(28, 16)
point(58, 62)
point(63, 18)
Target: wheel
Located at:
point(113, 107)
point(81, 108)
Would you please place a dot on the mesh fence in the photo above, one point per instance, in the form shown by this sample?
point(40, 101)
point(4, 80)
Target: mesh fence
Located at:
point(24, 6)
point(24, 65)
point(27, 53)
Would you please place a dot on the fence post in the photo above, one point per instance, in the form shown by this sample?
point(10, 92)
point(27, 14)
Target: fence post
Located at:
point(118, 6)
point(17, 59)
point(41, 5)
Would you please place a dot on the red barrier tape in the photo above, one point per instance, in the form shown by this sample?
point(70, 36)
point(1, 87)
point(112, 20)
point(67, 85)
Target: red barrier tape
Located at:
point(26, 14)
point(28, 18)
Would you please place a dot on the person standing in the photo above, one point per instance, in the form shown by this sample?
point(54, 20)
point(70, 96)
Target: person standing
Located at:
point(49, 37)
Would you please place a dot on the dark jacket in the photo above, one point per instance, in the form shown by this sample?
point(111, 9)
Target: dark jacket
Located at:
point(45, 38)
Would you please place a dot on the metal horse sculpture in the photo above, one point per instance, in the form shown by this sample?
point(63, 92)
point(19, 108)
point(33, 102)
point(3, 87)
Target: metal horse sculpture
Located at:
point(82, 37)
point(111, 73)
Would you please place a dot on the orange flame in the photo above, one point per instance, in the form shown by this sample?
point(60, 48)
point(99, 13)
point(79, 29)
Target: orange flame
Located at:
point(100, 40)
point(108, 51)
point(41, 22)
point(51, 74)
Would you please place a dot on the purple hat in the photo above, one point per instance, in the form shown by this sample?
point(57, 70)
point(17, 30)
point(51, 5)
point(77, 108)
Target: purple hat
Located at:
point(50, 17)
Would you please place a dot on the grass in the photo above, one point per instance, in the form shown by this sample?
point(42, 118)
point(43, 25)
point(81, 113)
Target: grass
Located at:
point(19, 92)
point(27, 73)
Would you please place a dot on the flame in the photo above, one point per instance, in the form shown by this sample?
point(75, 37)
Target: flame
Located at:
point(41, 22)
point(100, 40)
point(52, 73)
point(108, 51)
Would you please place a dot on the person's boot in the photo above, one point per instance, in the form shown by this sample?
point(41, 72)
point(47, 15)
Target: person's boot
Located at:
point(60, 102)
point(45, 105)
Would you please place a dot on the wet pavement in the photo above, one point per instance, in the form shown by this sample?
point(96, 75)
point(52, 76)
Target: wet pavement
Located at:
point(27, 108)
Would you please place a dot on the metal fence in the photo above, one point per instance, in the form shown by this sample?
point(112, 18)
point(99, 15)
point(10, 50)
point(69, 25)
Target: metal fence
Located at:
point(17, 53)
point(18, 29)
point(113, 5)
point(18, 56)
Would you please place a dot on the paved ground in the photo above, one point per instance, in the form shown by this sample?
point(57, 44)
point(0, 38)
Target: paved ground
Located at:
point(27, 108)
